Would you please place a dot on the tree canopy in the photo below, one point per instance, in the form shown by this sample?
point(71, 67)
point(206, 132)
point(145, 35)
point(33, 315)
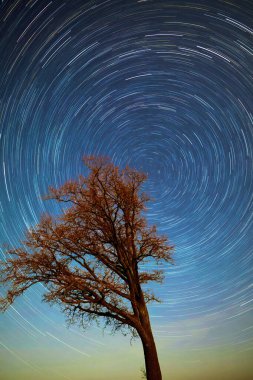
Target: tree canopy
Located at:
point(90, 257)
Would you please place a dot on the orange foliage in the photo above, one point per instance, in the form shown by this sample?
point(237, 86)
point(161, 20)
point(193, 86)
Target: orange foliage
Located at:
point(89, 258)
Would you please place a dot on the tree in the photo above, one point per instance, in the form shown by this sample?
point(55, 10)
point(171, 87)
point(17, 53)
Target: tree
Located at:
point(90, 257)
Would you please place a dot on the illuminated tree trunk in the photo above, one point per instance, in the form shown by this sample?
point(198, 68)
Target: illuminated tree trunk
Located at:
point(153, 371)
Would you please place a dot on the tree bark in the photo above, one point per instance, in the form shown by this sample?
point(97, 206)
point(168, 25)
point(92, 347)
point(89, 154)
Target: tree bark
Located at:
point(153, 371)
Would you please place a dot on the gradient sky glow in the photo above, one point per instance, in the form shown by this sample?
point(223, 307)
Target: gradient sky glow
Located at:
point(166, 87)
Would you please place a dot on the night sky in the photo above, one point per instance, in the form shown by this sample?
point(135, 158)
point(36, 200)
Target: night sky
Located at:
point(166, 87)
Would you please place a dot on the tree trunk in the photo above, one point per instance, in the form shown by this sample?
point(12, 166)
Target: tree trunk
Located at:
point(153, 371)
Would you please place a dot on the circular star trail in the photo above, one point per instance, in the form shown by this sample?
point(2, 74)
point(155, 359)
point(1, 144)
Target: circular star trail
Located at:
point(166, 87)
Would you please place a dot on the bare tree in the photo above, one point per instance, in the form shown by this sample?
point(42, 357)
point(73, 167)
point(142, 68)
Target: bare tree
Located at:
point(89, 257)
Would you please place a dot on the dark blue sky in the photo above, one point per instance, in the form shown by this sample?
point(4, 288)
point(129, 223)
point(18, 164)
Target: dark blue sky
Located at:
point(164, 86)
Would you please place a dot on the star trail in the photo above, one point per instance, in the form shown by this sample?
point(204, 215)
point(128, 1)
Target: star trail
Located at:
point(163, 86)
